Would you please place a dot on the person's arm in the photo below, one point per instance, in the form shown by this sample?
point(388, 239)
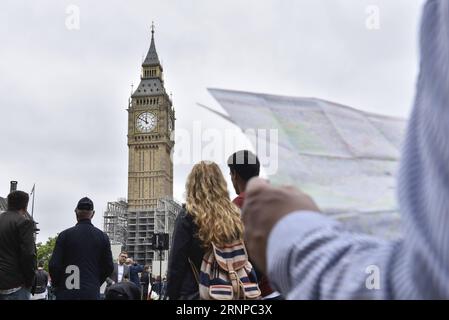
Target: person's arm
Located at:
point(178, 262)
point(311, 257)
point(138, 268)
point(127, 272)
point(56, 264)
point(110, 280)
point(107, 262)
point(27, 251)
point(46, 280)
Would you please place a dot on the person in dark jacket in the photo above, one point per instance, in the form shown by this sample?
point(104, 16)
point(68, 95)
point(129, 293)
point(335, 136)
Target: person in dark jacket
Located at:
point(17, 249)
point(134, 270)
point(244, 165)
point(145, 278)
point(41, 283)
point(208, 217)
point(82, 258)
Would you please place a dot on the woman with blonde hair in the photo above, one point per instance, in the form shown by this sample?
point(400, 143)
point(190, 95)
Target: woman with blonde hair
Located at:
point(207, 217)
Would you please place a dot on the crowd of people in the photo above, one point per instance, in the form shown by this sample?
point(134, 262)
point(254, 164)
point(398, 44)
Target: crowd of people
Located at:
point(82, 259)
point(295, 249)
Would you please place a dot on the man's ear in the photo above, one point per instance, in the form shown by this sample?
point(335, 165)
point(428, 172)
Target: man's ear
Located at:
point(93, 213)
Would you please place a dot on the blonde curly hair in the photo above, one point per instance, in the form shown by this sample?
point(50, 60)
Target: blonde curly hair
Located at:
point(207, 200)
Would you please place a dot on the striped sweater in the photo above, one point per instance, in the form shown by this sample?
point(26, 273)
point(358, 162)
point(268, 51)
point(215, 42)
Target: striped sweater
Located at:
point(311, 256)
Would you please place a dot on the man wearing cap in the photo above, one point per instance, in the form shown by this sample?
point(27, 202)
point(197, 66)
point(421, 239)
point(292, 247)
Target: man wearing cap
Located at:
point(82, 258)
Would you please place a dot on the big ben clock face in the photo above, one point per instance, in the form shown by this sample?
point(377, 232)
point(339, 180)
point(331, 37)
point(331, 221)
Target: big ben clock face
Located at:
point(146, 122)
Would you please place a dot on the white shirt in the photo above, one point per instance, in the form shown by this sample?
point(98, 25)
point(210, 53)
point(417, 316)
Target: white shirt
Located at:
point(120, 270)
point(40, 296)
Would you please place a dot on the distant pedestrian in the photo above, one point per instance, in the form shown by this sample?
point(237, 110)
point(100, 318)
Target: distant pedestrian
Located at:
point(41, 282)
point(134, 270)
point(82, 253)
point(145, 281)
point(164, 289)
point(157, 286)
point(120, 270)
point(17, 249)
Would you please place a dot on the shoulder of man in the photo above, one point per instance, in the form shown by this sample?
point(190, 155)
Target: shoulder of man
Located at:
point(16, 217)
point(97, 230)
point(63, 234)
point(91, 228)
point(23, 220)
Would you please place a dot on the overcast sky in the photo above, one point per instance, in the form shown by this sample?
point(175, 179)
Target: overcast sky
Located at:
point(63, 93)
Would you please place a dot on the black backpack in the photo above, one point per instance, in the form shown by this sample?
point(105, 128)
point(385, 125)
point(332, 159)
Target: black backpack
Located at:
point(124, 290)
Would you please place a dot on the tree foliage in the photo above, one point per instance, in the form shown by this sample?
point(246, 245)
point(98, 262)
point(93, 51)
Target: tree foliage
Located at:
point(44, 251)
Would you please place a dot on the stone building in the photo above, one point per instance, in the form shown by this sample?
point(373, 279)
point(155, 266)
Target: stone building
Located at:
point(150, 207)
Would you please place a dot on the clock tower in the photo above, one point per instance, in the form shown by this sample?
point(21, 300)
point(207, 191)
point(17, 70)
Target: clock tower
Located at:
point(150, 208)
point(150, 123)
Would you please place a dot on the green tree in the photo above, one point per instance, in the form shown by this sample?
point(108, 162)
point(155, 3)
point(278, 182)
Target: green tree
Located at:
point(44, 251)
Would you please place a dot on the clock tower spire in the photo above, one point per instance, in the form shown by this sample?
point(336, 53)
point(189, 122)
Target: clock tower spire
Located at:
point(150, 122)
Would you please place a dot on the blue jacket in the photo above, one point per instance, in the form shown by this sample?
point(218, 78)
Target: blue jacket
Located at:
point(134, 273)
point(87, 248)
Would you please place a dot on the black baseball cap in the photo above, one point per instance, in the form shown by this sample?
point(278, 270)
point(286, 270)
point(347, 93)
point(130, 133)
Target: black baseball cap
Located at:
point(85, 204)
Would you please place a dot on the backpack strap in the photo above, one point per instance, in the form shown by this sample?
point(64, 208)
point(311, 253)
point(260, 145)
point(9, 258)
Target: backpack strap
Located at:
point(195, 271)
point(235, 281)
